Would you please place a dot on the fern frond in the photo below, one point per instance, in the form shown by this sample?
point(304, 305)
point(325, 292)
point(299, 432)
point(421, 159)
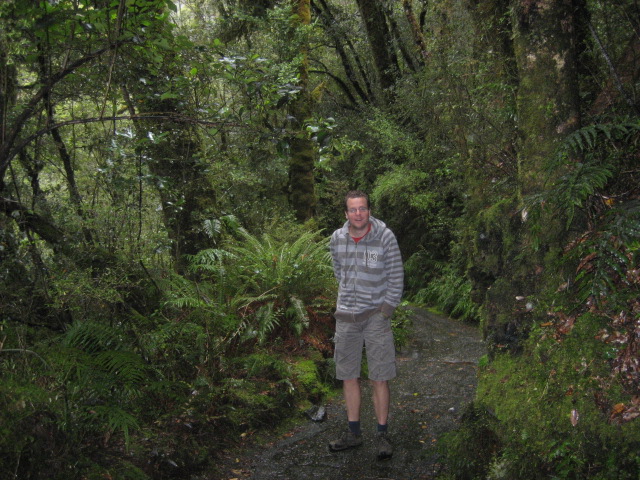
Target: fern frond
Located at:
point(117, 419)
point(588, 137)
point(91, 336)
point(573, 189)
point(266, 322)
point(298, 315)
point(123, 367)
point(606, 257)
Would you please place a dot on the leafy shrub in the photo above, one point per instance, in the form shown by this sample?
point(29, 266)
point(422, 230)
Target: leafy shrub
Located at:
point(257, 288)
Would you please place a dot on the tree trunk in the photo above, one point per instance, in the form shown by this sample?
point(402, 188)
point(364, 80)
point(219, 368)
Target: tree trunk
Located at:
point(379, 37)
point(302, 150)
point(548, 93)
point(342, 46)
point(185, 192)
point(507, 267)
point(418, 37)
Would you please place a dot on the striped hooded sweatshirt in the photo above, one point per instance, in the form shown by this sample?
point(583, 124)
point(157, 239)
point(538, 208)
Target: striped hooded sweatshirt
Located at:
point(369, 273)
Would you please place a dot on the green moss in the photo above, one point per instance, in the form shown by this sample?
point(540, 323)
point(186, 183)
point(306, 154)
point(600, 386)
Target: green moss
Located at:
point(552, 406)
point(307, 376)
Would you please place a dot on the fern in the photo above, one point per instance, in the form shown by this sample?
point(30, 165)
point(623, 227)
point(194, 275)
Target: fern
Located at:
point(116, 419)
point(606, 256)
point(266, 321)
point(588, 137)
point(450, 292)
point(573, 189)
point(575, 183)
point(215, 227)
point(286, 276)
point(91, 337)
point(264, 282)
point(101, 373)
point(298, 315)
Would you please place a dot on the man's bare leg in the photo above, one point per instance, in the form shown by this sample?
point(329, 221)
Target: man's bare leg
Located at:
point(352, 437)
point(352, 397)
point(381, 399)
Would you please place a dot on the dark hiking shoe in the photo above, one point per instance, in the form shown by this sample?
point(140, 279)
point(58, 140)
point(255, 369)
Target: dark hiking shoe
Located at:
point(385, 450)
point(347, 440)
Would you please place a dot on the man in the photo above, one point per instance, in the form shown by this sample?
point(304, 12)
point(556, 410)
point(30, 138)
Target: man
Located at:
point(368, 266)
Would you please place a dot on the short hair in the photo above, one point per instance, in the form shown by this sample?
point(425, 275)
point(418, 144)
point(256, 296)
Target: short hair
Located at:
point(355, 194)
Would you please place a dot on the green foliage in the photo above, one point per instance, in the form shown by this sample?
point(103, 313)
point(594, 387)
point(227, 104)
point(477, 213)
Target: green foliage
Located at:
point(469, 450)
point(102, 377)
point(276, 281)
point(88, 388)
point(600, 148)
point(550, 407)
point(254, 289)
point(590, 136)
point(450, 291)
point(307, 375)
point(607, 258)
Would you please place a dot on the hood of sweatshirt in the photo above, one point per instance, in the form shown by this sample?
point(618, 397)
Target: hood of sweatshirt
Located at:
point(377, 227)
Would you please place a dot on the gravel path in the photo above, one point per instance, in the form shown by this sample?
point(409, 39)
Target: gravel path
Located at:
point(437, 378)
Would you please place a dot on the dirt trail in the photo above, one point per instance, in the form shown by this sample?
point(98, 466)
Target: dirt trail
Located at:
point(437, 377)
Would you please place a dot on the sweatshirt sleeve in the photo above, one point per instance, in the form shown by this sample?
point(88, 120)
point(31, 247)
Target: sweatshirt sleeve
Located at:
point(395, 274)
point(333, 246)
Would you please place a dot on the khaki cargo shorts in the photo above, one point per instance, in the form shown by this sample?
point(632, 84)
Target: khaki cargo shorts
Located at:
point(375, 335)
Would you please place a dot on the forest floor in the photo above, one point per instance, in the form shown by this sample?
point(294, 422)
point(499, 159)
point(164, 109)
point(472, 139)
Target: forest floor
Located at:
point(436, 379)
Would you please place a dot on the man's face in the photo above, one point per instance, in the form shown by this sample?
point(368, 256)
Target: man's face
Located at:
point(357, 212)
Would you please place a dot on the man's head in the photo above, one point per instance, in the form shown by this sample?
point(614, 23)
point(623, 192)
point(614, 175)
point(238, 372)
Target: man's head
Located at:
point(355, 194)
point(356, 209)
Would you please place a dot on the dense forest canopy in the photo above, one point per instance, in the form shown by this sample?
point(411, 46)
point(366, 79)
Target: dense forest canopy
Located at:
point(170, 172)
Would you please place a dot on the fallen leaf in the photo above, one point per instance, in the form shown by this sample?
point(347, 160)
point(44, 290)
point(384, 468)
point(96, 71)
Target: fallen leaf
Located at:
point(618, 409)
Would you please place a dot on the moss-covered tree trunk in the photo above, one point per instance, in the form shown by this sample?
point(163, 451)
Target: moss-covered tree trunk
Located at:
point(302, 150)
point(172, 151)
point(547, 106)
point(548, 95)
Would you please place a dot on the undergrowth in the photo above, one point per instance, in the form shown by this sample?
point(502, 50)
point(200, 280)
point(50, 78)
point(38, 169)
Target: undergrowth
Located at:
point(567, 406)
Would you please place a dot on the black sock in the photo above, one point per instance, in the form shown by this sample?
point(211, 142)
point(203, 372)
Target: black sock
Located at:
point(354, 427)
point(382, 428)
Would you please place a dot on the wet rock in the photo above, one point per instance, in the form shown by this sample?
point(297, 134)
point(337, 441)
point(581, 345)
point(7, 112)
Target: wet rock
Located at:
point(316, 413)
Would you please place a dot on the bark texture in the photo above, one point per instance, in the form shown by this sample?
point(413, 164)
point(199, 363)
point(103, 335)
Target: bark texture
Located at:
point(302, 151)
point(379, 38)
point(548, 95)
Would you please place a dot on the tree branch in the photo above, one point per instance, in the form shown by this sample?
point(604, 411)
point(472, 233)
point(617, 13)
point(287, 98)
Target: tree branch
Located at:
point(7, 149)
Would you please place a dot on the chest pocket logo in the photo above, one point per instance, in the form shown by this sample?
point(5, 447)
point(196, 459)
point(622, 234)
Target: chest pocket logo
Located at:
point(372, 258)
